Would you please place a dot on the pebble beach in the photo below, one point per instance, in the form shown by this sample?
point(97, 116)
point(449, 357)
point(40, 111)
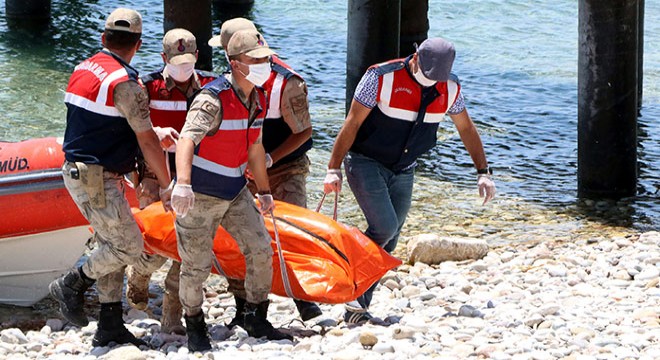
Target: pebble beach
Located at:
point(584, 299)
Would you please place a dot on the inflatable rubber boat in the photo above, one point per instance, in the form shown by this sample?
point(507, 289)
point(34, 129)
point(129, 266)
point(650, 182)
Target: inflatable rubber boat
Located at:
point(42, 233)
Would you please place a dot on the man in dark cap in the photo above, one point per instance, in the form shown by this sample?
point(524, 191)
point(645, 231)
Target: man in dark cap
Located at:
point(107, 124)
point(393, 120)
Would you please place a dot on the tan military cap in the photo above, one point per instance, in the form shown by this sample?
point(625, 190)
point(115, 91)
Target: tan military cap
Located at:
point(228, 29)
point(123, 19)
point(250, 43)
point(180, 46)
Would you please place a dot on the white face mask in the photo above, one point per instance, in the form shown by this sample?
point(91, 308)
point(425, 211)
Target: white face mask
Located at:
point(180, 73)
point(258, 74)
point(421, 79)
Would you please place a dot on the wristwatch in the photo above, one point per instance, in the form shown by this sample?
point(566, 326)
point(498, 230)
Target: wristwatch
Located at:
point(486, 171)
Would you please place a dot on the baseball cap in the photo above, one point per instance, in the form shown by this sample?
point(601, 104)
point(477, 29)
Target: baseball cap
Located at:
point(123, 19)
point(180, 46)
point(228, 29)
point(436, 57)
point(250, 43)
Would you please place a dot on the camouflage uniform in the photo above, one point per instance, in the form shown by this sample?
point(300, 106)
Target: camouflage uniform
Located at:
point(240, 217)
point(147, 194)
point(288, 181)
point(117, 234)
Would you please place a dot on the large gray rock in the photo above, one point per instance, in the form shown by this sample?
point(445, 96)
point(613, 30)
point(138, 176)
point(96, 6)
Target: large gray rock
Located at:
point(432, 249)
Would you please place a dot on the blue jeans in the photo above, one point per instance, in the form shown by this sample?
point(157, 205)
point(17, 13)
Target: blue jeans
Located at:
point(384, 197)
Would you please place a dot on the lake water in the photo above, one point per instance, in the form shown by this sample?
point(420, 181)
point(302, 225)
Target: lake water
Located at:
point(517, 61)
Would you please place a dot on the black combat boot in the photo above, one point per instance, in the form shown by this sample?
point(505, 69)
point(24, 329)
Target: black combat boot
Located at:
point(307, 310)
point(198, 336)
point(257, 325)
point(111, 327)
point(239, 318)
point(69, 291)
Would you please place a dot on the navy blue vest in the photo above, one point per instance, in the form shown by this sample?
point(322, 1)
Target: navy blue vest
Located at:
point(395, 143)
point(94, 138)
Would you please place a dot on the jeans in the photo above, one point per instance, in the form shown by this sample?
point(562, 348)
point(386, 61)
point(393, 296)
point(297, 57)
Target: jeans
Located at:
point(384, 197)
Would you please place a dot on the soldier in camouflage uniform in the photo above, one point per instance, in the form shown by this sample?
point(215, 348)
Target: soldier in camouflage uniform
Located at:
point(103, 97)
point(169, 89)
point(287, 138)
point(221, 136)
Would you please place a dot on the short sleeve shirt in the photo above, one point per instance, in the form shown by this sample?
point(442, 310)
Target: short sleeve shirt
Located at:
point(132, 101)
point(366, 93)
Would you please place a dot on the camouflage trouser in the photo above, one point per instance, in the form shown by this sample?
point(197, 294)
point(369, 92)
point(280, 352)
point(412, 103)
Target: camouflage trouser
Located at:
point(288, 182)
point(148, 192)
point(195, 232)
point(118, 237)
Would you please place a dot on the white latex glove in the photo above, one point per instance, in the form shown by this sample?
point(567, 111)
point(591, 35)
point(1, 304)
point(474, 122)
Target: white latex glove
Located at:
point(486, 187)
point(269, 161)
point(266, 204)
point(183, 199)
point(332, 181)
point(166, 196)
point(167, 137)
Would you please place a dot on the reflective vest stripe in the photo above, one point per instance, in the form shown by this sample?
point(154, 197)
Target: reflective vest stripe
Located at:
point(219, 169)
point(233, 124)
point(452, 93)
point(103, 90)
point(409, 115)
point(275, 98)
point(166, 105)
point(95, 107)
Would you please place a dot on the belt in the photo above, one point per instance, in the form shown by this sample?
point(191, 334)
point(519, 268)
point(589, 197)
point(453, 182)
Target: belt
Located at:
point(71, 170)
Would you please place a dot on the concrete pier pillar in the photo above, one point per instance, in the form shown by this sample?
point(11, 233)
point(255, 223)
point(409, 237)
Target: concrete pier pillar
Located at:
point(194, 16)
point(373, 37)
point(414, 25)
point(27, 9)
point(28, 14)
point(607, 98)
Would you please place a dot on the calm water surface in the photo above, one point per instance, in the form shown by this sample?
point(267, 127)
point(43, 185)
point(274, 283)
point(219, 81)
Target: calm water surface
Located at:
point(517, 61)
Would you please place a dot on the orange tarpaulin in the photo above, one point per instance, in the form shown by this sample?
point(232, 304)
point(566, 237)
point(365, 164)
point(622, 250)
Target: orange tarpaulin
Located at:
point(326, 261)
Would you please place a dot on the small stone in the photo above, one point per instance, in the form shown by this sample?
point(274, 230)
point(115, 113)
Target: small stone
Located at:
point(13, 336)
point(383, 348)
point(648, 273)
point(469, 311)
point(368, 339)
point(391, 284)
point(55, 324)
point(403, 332)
